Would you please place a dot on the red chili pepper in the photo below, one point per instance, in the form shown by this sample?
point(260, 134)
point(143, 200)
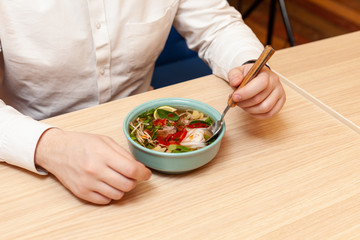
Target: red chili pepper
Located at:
point(169, 137)
point(198, 125)
point(180, 127)
point(162, 141)
point(183, 134)
point(175, 138)
point(178, 137)
point(148, 131)
point(160, 122)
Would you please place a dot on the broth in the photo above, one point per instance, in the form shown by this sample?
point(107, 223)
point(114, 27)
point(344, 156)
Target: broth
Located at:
point(171, 129)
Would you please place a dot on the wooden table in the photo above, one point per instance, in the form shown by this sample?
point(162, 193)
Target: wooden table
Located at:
point(328, 70)
point(296, 176)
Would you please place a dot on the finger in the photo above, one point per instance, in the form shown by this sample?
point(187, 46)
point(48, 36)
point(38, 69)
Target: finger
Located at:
point(235, 77)
point(266, 105)
point(116, 147)
point(277, 107)
point(97, 198)
point(107, 191)
point(257, 99)
point(131, 169)
point(124, 163)
point(254, 87)
point(91, 196)
point(118, 181)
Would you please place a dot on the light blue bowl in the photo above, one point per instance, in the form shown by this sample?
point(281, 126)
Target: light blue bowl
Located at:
point(173, 162)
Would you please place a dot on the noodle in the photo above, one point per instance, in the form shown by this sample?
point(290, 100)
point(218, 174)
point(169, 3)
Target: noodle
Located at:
point(172, 130)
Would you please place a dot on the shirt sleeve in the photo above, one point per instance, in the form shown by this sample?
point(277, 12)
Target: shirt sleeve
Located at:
point(19, 136)
point(217, 32)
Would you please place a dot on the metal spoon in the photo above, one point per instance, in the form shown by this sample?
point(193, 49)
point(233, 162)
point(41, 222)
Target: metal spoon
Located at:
point(214, 129)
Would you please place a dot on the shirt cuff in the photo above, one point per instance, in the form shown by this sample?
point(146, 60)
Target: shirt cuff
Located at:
point(19, 141)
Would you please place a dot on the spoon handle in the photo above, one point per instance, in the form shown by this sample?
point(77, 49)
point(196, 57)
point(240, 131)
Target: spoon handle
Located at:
point(254, 70)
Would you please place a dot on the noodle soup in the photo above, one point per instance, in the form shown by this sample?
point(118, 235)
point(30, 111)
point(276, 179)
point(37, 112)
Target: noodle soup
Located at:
point(171, 129)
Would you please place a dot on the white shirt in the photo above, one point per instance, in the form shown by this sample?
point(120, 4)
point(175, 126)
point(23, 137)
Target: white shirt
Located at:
point(65, 55)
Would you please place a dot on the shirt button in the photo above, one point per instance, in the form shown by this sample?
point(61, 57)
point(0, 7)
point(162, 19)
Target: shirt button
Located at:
point(98, 25)
point(102, 71)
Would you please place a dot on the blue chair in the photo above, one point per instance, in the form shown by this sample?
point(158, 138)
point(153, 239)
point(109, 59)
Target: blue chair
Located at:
point(177, 63)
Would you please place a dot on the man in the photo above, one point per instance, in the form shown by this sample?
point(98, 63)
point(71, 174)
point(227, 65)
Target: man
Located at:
point(61, 56)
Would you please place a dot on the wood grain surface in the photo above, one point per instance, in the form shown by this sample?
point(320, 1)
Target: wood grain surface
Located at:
point(295, 176)
point(329, 70)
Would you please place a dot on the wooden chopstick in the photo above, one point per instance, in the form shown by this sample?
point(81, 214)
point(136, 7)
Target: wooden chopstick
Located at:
point(254, 70)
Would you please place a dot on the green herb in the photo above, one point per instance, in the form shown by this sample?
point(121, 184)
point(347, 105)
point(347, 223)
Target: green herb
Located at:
point(209, 121)
point(154, 135)
point(178, 148)
point(147, 113)
point(132, 136)
point(199, 121)
point(167, 114)
point(211, 141)
point(147, 120)
point(150, 146)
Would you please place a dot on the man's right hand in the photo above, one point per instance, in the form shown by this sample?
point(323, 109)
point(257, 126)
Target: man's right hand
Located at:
point(93, 167)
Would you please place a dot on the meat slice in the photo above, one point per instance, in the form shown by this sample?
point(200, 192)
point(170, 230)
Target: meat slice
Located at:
point(166, 130)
